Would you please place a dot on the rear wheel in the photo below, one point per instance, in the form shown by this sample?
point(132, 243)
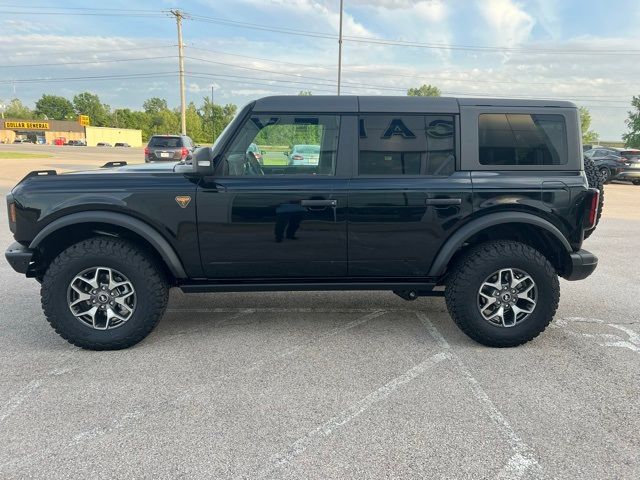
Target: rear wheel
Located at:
point(502, 293)
point(604, 174)
point(103, 294)
point(636, 182)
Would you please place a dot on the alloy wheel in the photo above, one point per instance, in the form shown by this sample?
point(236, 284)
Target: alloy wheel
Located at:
point(507, 297)
point(101, 298)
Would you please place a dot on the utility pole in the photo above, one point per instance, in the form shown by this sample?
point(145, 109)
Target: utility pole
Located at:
point(183, 107)
point(340, 48)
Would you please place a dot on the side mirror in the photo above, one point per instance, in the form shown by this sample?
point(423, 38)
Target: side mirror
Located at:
point(262, 152)
point(188, 158)
point(201, 161)
point(286, 154)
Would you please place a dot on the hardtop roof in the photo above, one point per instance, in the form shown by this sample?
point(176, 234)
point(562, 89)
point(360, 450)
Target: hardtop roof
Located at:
point(390, 104)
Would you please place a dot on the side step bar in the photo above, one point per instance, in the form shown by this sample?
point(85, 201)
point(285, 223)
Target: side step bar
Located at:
point(421, 288)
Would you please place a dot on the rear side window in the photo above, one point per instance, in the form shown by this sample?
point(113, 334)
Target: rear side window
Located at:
point(165, 142)
point(522, 139)
point(391, 145)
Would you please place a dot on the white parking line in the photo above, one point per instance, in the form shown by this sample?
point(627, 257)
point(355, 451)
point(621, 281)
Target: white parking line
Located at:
point(523, 456)
point(128, 419)
point(630, 341)
point(299, 446)
point(8, 408)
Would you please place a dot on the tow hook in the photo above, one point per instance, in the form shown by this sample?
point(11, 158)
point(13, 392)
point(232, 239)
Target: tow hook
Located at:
point(409, 295)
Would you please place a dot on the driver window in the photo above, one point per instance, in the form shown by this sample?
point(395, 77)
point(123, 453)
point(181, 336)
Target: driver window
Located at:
point(276, 144)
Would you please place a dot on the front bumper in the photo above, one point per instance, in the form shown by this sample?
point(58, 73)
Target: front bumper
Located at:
point(582, 265)
point(19, 257)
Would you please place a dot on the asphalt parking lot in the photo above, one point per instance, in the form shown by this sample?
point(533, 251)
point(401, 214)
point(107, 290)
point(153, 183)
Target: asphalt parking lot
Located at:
point(327, 385)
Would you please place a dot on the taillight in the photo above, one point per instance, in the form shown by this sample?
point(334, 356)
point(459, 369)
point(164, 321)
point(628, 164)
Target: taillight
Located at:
point(12, 212)
point(184, 152)
point(146, 150)
point(592, 211)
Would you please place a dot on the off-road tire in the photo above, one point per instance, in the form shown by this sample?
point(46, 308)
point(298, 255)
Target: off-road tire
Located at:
point(470, 271)
point(150, 284)
point(595, 181)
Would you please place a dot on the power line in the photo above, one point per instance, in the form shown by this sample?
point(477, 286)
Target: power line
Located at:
point(88, 14)
point(355, 69)
point(113, 60)
point(390, 42)
point(89, 77)
point(49, 7)
point(353, 84)
point(96, 52)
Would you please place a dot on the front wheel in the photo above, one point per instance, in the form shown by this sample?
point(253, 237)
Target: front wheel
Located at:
point(502, 293)
point(605, 174)
point(103, 294)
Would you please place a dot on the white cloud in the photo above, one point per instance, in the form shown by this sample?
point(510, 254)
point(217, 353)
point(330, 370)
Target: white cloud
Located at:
point(509, 23)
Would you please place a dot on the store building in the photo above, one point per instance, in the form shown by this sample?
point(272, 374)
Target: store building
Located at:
point(95, 135)
point(53, 132)
point(40, 131)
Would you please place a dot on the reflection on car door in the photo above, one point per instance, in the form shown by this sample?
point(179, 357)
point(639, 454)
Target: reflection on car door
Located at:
point(258, 221)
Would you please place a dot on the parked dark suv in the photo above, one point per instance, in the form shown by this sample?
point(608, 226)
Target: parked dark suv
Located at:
point(168, 148)
point(485, 202)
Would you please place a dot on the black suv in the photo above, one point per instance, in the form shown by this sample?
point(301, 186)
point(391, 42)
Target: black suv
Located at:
point(485, 202)
point(168, 148)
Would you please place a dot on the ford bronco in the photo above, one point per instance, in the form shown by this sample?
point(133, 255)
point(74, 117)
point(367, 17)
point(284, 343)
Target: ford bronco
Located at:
point(485, 202)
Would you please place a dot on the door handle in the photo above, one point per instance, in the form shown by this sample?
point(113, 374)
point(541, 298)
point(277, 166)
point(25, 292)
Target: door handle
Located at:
point(438, 202)
point(318, 203)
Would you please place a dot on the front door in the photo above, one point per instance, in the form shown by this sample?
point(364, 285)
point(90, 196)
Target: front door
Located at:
point(276, 207)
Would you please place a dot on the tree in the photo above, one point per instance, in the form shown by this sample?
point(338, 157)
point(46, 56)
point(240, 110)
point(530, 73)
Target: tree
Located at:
point(214, 119)
point(88, 103)
point(424, 91)
point(632, 138)
point(155, 105)
point(588, 136)
point(305, 93)
point(17, 110)
point(54, 107)
point(194, 123)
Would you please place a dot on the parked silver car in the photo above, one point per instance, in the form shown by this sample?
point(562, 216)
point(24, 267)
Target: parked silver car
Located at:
point(304, 155)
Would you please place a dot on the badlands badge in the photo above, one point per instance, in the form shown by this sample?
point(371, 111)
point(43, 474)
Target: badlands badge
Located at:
point(183, 200)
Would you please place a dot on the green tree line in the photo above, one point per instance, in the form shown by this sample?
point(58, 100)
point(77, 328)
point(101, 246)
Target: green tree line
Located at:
point(204, 121)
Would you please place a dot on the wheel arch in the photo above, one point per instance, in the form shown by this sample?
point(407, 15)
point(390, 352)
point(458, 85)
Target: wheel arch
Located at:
point(109, 223)
point(525, 227)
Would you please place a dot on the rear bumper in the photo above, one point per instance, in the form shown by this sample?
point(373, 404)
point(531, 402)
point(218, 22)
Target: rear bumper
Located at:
point(582, 265)
point(19, 257)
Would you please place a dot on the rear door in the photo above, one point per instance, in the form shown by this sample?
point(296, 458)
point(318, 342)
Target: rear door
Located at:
point(406, 196)
point(270, 219)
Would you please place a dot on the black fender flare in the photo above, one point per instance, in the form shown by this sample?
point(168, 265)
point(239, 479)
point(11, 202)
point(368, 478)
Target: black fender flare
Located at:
point(455, 241)
point(150, 234)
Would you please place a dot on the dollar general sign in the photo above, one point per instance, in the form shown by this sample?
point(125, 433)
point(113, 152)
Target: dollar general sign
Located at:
point(28, 125)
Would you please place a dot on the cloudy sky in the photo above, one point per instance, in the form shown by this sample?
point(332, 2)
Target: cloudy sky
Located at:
point(587, 51)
